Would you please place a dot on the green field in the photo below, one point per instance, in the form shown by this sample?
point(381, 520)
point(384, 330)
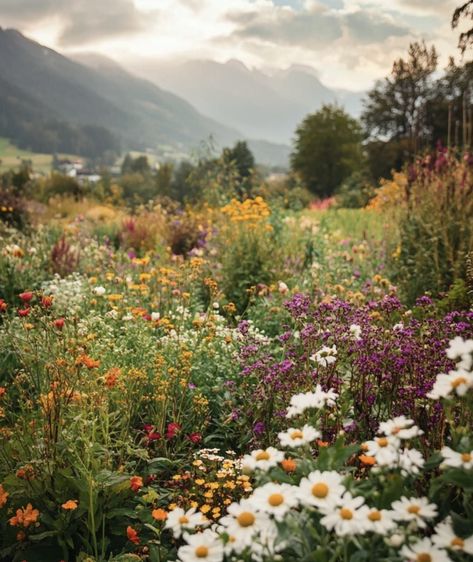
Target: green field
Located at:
point(12, 156)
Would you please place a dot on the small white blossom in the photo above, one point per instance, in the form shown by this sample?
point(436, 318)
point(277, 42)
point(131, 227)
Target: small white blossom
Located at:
point(454, 459)
point(294, 437)
point(325, 356)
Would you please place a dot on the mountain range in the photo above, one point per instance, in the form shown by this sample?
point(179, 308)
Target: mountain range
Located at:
point(261, 104)
point(90, 104)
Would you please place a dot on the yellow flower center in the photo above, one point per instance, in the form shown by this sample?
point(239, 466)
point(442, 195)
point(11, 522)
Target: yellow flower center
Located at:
point(275, 499)
point(458, 542)
point(297, 434)
point(458, 381)
point(424, 557)
point(346, 513)
point(382, 442)
point(183, 520)
point(466, 457)
point(414, 509)
point(246, 519)
point(375, 515)
point(201, 552)
point(262, 456)
point(320, 490)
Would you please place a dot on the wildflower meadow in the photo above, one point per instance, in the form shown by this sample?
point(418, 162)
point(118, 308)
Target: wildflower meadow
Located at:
point(238, 380)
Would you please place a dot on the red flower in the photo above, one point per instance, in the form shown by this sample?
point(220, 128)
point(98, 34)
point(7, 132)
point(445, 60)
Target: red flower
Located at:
point(26, 297)
point(151, 434)
point(132, 535)
point(46, 301)
point(195, 437)
point(150, 479)
point(3, 305)
point(172, 429)
point(59, 323)
point(22, 312)
point(136, 482)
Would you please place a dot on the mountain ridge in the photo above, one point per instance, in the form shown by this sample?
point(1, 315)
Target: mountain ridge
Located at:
point(133, 109)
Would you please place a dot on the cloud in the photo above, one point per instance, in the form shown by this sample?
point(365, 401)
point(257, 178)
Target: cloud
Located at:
point(316, 26)
point(369, 27)
point(311, 29)
point(78, 21)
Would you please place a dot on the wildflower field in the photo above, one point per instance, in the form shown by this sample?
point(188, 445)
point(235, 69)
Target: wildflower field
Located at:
point(240, 381)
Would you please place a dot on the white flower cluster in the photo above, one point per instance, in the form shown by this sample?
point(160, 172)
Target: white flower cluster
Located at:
point(306, 400)
point(459, 380)
point(69, 293)
point(251, 526)
point(387, 448)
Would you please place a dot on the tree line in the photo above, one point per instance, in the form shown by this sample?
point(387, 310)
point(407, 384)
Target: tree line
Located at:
point(405, 114)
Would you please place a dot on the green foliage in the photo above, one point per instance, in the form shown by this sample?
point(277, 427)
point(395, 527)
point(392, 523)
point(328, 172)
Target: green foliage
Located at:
point(435, 228)
point(355, 192)
point(327, 150)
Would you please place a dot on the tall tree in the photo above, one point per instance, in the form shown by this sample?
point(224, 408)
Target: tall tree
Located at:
point(327, 149)
point(396, 107)
point(464, 11)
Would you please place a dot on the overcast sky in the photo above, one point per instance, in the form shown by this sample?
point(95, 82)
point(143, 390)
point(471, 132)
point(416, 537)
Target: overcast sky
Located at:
point(349, 42)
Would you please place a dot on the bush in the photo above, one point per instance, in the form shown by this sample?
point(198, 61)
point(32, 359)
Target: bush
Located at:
point(434, 222)
point(355, 192)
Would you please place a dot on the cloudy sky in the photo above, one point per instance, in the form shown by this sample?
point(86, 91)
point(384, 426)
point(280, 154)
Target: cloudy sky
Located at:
point(349, 42)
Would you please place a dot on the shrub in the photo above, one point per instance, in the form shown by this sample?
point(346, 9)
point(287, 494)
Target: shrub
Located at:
point(434, 223)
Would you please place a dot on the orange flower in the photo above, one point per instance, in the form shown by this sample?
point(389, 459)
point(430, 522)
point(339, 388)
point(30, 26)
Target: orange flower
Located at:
point(159, 514)
point(136, 482)
point(3, 391)
point(132, 535)
point(111, 376)
point(25, 517)
point(47, 301)
point(365, 459)
point(289, 465)
point(70, 505)
point(321, 443)
point(88, 362)
point(3, 496)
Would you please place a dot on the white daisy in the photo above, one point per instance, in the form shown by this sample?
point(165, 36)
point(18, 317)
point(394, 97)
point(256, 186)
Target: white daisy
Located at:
point(384, 449)
point(345, 518)
point(424, 551)
point(297, 437)
point(262, 459)
point(321, 489)
point(411, 461)
point(445, 537)
point(458, 382)
point(325, 356)
point(378, 521)
point(99, 291)
point(244, 521)
point(400, 427)
point(179, 520)
point(458, 348)
point(276, 499)
point(414, 509)
point(202, 546)
point(457, 460)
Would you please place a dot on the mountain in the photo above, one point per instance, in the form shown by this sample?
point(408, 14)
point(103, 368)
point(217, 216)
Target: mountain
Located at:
point(46, 97)
point(261, 105)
